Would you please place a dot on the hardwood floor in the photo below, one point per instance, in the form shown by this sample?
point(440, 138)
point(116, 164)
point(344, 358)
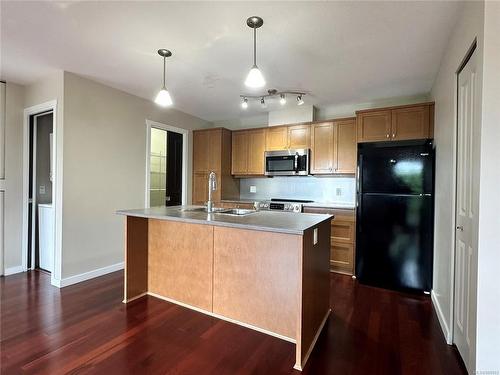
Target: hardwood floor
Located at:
point(85, 329)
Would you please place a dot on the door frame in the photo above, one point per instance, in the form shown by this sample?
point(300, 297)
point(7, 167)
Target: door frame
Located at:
point(451, 334)
point(57, 162)
point(185, 148)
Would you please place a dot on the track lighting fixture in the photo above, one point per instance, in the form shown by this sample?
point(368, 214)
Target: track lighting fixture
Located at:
point(244, 103)
point(163, 97)
point(271, 93)
point(282, 99)
point(255, 79)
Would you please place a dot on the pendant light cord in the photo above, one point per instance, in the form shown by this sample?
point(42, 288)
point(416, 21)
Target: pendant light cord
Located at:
point(254, 46)
point(164, 70)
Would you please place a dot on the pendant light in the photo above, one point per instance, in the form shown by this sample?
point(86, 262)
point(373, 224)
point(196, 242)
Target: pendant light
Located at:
point(255, 79)
point(163, 98)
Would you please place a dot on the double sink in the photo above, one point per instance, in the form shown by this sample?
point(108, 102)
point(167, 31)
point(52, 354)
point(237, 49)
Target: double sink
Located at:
point(222, 211)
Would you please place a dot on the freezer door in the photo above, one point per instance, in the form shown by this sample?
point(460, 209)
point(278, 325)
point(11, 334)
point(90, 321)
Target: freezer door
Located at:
point(394, 241)
point(397, 170)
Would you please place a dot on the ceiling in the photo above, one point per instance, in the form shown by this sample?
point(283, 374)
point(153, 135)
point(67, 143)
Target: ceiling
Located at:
point(339, 52)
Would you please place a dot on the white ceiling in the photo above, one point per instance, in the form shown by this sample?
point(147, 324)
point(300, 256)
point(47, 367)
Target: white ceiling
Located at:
point(340, 52)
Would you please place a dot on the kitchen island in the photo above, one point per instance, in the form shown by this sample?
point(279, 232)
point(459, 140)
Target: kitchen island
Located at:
point(264, 270)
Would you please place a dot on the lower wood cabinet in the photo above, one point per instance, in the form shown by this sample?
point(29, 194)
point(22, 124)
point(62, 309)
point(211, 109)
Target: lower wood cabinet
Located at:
point(343, 238)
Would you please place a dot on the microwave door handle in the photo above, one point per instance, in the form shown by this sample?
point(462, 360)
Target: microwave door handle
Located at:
point(296, 163)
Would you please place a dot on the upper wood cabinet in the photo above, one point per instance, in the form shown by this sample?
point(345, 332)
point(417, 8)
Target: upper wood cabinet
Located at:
point(374, 126)
point(248, 152)
point(212, 152)
point(299, 136)
point(346, 146)
point(239, 155)
point(410, 123)
point(276, 138)
point(323, 152)
point(396, 123)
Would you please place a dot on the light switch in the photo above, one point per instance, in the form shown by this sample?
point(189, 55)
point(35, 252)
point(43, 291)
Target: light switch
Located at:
point(41, 190)
point(315, 236)
point(253, 189)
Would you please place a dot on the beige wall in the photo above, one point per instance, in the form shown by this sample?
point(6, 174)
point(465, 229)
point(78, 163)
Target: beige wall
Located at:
point(13, 175)
point(488, 291)
point(469, 26)
point(104, 168)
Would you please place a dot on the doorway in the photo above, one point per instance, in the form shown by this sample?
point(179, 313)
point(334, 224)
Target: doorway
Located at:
point(466, 209)
point(40, 251)
point(166, 165)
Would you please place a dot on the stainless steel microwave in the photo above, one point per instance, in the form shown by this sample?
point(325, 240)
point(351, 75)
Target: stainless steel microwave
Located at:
point(287, 162)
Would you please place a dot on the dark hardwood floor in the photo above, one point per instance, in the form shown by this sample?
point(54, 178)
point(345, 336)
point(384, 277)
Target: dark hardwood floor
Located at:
point(85, 328)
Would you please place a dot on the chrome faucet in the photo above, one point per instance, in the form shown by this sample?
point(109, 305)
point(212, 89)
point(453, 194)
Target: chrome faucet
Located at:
point(212, 186)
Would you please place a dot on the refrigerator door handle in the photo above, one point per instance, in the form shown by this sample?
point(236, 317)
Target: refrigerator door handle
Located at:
point(425, 195)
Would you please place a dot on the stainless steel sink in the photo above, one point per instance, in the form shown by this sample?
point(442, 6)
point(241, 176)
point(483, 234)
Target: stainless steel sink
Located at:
point(237, 212)
point(203, 209)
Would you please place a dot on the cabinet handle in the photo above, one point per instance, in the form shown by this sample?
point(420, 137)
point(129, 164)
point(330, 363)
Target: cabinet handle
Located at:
point(393, 135)
point(387, 135)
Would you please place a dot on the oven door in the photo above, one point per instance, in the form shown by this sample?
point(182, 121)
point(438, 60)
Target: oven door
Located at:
point(287, 163)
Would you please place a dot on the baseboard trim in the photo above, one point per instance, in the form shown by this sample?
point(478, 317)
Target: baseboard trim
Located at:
point(222, 317)
point(13, 270)
point(441, 318)
point(300, 367)
point(87, 275)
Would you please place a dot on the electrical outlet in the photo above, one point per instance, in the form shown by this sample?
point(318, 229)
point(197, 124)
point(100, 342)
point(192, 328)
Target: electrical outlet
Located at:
point(338, 192)
point(253, 189)
point(41, 189)
point(315, 236)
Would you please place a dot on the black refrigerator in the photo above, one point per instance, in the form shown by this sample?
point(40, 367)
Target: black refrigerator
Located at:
point(395, 215)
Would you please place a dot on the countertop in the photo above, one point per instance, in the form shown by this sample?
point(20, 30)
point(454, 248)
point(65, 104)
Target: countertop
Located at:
point(341, 205)
point(269, 221)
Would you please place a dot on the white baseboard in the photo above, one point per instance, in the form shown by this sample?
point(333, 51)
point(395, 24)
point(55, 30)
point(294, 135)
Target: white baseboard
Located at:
point(441, 318)
point(13, 270)
point(87, 275)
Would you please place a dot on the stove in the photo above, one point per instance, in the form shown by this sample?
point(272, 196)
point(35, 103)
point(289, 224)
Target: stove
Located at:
point(288, 205)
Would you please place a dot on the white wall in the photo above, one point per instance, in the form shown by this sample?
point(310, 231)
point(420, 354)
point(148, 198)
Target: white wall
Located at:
point(488, 291)
point(14, 105)
point(469, 26)
point(104, 168)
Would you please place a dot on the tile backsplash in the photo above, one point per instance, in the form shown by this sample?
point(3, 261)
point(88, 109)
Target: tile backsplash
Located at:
point(318, 189)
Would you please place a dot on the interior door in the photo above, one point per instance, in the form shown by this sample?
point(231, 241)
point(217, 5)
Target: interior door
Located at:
point(174, 169)
point(2, 173)
point(467, 200)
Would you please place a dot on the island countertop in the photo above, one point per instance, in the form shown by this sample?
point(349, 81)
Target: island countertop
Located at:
point(270, 221)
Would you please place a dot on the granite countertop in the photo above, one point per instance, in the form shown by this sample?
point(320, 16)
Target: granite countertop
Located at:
point(269, 221)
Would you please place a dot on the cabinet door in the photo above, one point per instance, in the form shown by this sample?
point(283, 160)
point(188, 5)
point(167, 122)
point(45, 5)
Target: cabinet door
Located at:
point(346, 146)
point(343, 231)
point(239, 155)
point(374, 126)
point(201, 147)
point(322, 148)
point(299, 136)
point(256, 148)
point(200, 187)
point(214, 150)
point(410, 123)
point(276, 138)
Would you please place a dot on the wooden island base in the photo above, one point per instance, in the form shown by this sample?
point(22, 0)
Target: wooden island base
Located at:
point(275, 283)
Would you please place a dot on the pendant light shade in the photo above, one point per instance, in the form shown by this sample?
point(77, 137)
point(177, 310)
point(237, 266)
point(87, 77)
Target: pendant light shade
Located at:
point(163, 98)
point(255, 79)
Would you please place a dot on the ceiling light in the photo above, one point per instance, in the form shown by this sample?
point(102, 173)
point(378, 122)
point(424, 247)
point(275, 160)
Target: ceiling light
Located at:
point(282, 99)
point(255, 79)
point(244, 103)
point(263, 103)
point(163, 98)
point(300, 101)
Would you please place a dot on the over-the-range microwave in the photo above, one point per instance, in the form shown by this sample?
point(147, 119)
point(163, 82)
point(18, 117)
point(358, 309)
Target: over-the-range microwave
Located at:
point(287, 162)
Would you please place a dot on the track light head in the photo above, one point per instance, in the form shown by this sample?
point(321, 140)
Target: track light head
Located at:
point(282, 99)
point(300, 101)
point(244, 103)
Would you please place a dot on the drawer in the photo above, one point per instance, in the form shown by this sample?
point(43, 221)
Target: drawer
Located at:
point(343, 231)
point(342, 258)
